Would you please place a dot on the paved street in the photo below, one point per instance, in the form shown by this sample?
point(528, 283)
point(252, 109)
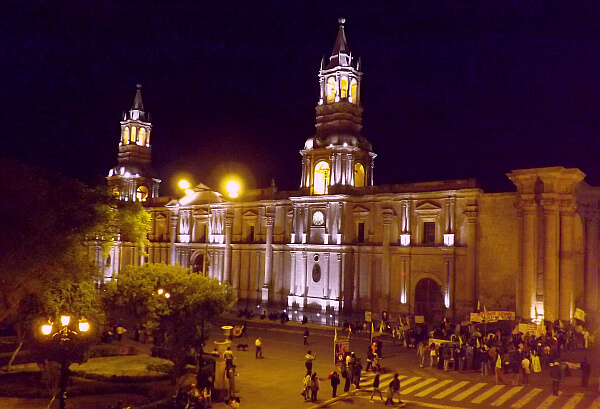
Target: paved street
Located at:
point(276, 380)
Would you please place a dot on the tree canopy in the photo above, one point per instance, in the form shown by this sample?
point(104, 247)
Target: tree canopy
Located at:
point(48, 223)
point(178, 322)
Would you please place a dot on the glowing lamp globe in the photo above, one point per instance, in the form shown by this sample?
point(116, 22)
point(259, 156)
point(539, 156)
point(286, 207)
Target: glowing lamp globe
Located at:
point(184, 184)
point(233, 188)
point(160, 291)
point(65, 319)
point(46, 329)
point(84, 326)
point(167, 295)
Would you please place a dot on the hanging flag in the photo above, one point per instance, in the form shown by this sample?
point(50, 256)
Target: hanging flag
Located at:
point(335, 335)
point(499, 362)
point(478, 306)
point(580, 314)
point(478, 344)
point(381, 327)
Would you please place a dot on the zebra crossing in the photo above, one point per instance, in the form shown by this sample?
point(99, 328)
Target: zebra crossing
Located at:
point(504, 396)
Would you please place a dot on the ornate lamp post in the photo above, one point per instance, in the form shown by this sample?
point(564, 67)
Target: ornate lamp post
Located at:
point(64, 335)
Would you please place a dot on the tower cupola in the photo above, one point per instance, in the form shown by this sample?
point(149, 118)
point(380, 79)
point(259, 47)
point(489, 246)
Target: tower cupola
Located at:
point(338, 156)
point(133, 178)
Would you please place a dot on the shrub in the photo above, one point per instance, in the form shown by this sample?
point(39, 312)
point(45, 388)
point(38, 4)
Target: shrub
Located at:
point(105, 351)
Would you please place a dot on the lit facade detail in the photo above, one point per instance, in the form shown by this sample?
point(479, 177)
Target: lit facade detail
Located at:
point(533, 250)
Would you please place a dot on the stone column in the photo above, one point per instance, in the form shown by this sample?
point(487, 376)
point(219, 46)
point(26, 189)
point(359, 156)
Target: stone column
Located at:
point(174, 220)
point(356, 293)
point(268, 259)
point(567, 210)
point(227, 261)
point(472, 280)
point(293, 281)
point(550, 258)
point(386, 261)
point(590, 287)
point(528, 280)
point(304, 276)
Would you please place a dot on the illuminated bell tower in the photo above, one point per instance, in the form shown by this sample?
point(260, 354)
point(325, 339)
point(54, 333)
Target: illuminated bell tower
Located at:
point(338, 157)
point(132, 179)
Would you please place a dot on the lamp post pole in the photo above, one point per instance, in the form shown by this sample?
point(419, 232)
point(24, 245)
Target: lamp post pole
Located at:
point(64, 335)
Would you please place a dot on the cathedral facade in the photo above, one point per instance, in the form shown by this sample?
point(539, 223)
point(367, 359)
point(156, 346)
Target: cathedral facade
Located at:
point(342, 243)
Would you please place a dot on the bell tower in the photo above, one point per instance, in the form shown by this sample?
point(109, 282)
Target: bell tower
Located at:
point(338, 157)
point(133, 179)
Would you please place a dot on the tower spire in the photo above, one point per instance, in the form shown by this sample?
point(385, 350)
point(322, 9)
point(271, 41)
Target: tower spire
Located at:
point(137, 102)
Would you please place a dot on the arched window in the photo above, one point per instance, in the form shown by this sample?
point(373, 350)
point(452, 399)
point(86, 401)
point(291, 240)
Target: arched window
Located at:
point(354, 91)
point(359, 175)
point(141, 193)
point(330, 90)
point(126, 136)
point(142, 137)
point(198, 266)
point(133, 129)
point(321, 178)
point(344, 88)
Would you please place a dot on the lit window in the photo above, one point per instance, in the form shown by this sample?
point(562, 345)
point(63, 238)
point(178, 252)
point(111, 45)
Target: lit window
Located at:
point(133, 134)
point(359, 175)
point(344, 90)
point(353, 91)
point(142, 137)
point(141, 193)
point(321, 178)
point(126, 136)
point(330, 90)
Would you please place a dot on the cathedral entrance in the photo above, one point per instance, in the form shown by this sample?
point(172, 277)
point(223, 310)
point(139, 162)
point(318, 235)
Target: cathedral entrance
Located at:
point(429, 300)
point(198, 266)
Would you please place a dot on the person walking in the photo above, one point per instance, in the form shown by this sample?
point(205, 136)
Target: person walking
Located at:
point(422, 352)
point(258, 344)
point(314, 387)
point(335, 381)
point(432, 355)
point(356, 375)
point(525, 371)
point(306, 391)
point(306, 334)
point(231, 375)
point(120, 331)
point(556, 375)
point(228, 355)
point(393, 388)
point(586, 369)
point(376, 387)
point(308, 361)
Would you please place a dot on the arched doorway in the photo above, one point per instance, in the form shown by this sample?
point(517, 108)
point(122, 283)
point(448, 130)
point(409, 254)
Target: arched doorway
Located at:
point(429, 300)
point(199, 266)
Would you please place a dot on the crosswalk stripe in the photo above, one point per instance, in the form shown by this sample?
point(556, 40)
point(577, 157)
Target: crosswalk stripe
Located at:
point(433, 388)
point(409, 381)
point(417, 386)
point(595, 404)
point(511, 392)
point(547, 402)
point(526, 399)
point(571, 403)
point(469, 391)
point(450, 390)
point(487, 394)
point(368, 381)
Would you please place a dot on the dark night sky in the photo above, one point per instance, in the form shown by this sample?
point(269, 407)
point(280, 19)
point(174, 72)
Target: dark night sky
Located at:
point(451, 89)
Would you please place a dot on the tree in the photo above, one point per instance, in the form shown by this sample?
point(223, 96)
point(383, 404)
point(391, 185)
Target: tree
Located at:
point(179, 322)
point(48, 221)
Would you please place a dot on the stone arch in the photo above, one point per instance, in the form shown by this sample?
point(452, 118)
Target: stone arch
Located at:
point(199, 262)
point(428, 296)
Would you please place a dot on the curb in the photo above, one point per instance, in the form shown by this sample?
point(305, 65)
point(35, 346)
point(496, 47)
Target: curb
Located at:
point(337, 398)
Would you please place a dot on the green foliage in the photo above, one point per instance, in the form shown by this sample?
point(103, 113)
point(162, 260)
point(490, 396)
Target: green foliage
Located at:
point(180, 322)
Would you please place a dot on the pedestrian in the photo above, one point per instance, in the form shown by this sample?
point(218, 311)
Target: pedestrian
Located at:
point(308, 361)
point(432, 355)
point(498, 371)
point(348, 376)
point(422, 352)
point(369, 360)
point(228, 355)
point(120, 331)
point(306, 334)
point(306, 383)
point(376, 387)
point(314, 387)
point(556, 375)
point(356, 375)
point(335, 381)
point(231, 375)
point(586, 369)
point(258, 344)
point(393, 388)
point(376, 363)
point(525, 371)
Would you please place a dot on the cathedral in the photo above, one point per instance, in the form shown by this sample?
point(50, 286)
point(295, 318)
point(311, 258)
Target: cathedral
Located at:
point(340, 243)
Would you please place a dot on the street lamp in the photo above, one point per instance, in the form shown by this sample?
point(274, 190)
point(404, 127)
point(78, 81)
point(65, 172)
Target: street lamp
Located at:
point(186, 187)
point(233, 188)
point(64, 335)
